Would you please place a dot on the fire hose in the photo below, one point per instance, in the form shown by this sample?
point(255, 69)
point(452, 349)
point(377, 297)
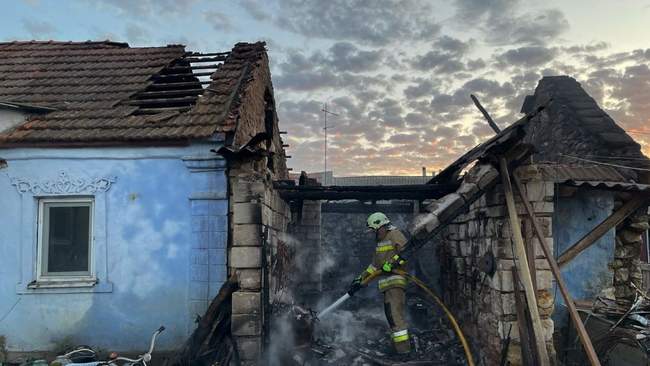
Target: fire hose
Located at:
point(427, 290)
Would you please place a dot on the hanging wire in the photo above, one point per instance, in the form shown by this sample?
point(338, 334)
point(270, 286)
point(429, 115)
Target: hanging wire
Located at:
point(646, 160)
point(604, 163)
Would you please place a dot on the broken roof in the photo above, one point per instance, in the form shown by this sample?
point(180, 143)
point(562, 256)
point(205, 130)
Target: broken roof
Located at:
point(108, 92)
point(564, 124)
point(580, 119)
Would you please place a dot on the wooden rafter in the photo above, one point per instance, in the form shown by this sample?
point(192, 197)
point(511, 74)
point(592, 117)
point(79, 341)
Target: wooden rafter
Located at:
point(601, 229)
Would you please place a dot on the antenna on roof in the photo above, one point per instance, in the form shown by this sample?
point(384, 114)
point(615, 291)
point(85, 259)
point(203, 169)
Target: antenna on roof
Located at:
point(325, 113)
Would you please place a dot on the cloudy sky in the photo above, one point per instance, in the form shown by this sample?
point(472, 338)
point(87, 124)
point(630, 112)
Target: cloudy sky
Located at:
point(397, 73)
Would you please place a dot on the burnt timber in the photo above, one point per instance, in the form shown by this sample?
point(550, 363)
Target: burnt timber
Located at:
point(364, 193)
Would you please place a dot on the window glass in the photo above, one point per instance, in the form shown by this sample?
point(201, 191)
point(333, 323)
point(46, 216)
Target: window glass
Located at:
point(66, 238)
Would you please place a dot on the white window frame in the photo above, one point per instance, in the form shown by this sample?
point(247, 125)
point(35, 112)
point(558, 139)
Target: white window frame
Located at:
point(63, 280)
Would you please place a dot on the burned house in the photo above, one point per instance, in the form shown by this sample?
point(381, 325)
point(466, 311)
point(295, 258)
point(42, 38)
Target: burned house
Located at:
point(137, 181)
point(586, 182)
point(134, 182)
point(577, 185)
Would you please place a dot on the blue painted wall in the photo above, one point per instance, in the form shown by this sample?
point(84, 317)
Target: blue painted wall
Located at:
point(588, 273)
point(160, 234)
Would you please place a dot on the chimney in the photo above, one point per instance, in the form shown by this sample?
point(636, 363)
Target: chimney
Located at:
point(424, 171)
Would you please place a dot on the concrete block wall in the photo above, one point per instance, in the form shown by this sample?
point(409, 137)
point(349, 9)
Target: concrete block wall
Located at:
point(486, 305)
point(348, 247)
point(259, 220)
point(306, 229)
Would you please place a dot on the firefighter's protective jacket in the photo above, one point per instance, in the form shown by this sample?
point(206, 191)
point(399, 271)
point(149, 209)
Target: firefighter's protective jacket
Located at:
point(389, 246)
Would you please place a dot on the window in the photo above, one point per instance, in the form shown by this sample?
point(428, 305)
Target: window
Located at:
point(65, 239)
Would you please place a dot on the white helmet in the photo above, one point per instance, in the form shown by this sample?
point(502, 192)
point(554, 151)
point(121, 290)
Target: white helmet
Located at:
point(377, 220)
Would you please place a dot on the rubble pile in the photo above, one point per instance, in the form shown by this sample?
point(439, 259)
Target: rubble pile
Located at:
point(629, 323)
point(361, 338)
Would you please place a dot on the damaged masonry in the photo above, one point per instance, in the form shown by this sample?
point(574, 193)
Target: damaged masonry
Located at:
point(151, 184)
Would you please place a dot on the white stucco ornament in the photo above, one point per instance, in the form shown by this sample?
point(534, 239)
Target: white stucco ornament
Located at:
point(63, 184)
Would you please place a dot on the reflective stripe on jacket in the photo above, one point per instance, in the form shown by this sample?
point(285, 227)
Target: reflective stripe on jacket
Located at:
point(386, 248)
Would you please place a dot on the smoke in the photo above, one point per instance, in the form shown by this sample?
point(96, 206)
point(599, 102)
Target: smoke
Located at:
point(356, 320)
point(308, 257)
point(349, 326)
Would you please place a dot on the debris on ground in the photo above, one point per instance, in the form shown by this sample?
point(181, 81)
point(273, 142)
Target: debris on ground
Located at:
point(361, 338)
point(624, 323)
point(211, 342)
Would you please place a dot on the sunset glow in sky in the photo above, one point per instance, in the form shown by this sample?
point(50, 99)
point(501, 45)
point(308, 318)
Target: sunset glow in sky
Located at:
point(398, 74)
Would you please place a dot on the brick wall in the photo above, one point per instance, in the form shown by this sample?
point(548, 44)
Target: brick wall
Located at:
point(486, 305)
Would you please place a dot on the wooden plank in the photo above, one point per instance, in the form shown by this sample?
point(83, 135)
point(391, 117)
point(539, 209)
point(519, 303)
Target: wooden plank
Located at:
point(176, 85)
point(530, 253)
point(170, 93)
point(360, 207)
point(498, 144)
point(524, 322)
point(489, 119)
point(412, 192)
point(163, 101)
point(450, 188)
point(359, 195)
point(596, 233)
point(520, 249)
point(205, 59)
point(559, 280)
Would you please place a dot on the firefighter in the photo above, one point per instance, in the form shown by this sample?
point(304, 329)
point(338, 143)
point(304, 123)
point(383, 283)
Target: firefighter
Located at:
point(390, 241)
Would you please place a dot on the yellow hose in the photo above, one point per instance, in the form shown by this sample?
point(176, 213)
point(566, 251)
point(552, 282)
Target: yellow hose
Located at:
point(428, 291)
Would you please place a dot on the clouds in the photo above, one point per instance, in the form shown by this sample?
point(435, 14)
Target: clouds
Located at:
point(503, 22)
point(218, 20)
point(529, 56)
point(377, 23)
point(445, 56)
point(137, 34)
point(146, 8)
point(343, 65)
point(535, 28)
point(398, 73)
point(39, 28)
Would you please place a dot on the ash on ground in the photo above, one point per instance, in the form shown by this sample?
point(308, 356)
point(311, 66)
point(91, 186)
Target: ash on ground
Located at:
point(358, 335)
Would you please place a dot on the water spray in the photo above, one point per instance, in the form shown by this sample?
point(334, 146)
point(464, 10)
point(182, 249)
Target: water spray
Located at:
point(427, 290)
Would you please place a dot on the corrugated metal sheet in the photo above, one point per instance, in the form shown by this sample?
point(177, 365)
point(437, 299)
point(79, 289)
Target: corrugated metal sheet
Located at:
point(619, 186)
point(594, 176)
point(561, 173)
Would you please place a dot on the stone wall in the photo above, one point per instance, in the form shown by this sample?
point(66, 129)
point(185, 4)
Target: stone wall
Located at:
point(626, 264)
point(486, 305)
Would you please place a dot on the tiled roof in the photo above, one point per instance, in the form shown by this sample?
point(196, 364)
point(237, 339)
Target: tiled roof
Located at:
point(566, 92)
point(92, 86)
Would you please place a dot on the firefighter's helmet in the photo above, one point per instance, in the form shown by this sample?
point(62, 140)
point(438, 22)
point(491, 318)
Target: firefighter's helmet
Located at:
point(377, 220)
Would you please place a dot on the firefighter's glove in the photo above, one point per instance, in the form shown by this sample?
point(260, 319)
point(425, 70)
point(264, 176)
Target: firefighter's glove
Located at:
point(394, 262)
point(355, 286)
